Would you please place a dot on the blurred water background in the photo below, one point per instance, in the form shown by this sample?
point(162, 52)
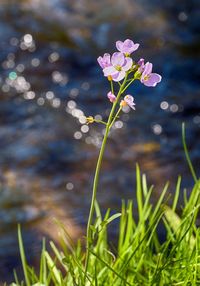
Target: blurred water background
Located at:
point(49, 79)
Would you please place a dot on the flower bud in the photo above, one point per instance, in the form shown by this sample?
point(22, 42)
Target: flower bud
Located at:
point(90, 120)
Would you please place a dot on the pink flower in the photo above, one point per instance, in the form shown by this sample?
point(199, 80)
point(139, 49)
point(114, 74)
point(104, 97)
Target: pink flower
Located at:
point(148, 78)
point(111, 96)
point(128, 101)
point(119, 66)
point(104, 61)
point(126, 47)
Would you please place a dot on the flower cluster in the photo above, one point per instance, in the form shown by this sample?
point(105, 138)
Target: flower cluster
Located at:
point(146, 76)
point(117, 66)
point(120, 66)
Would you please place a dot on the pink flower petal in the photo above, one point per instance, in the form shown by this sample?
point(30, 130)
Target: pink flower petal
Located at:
point(148, 68)
point(119, 76)
point(104, 61)
point(156, 77)
point(119, 45)
point(140, 62)
point(117, 59)
point(134, 48)
point(152, 80)
point(100, 61)
point(106, 57)
point(128, 64)
point(109, 71)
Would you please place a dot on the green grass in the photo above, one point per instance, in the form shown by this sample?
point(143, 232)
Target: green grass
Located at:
point(140, 258)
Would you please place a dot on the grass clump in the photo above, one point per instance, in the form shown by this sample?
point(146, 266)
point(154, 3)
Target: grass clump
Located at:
point(140, 258)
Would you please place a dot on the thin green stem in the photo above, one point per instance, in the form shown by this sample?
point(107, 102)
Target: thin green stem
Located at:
point(96, 177)
point(115, 117)
point(128, 85)
point(187, 154)
point(100, 121)
point(111, 85)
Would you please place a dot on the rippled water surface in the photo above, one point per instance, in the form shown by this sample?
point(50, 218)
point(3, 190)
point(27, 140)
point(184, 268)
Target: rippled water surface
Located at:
point(49, 80)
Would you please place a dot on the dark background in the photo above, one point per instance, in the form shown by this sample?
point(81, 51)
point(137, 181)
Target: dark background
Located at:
point(49, 79)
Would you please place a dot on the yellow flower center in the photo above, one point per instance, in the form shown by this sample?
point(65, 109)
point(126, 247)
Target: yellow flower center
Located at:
point(118, 68)
point(123, 103)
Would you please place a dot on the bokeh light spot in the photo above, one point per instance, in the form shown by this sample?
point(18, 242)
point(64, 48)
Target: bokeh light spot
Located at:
point(12, 75)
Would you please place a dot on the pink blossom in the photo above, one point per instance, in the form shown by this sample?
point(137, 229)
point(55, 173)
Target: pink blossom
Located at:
point(111, 96)
point(126, 47)
point(129, 101)
point(104, 61)
point(119, 66)
point(148, 78)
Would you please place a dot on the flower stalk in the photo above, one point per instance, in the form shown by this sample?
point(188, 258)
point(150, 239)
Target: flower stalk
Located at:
point(110, 122)
point(116, 68)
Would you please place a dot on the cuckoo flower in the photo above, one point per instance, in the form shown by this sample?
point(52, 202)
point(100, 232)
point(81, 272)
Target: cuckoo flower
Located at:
point(104, 61)
point(127, 47)
point(128, 100)
point(119, 66)
point(111, 96)
point(148, 78)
